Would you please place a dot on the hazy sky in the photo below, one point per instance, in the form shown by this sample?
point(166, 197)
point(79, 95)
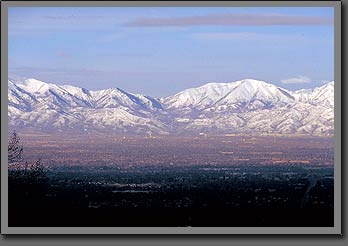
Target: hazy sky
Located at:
point(160, 51)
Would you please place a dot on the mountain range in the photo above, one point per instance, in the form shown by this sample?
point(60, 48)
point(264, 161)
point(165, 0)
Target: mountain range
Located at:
point(245, 106)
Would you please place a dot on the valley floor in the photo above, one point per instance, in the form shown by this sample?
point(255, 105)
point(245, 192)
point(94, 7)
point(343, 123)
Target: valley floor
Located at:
point(177, 181)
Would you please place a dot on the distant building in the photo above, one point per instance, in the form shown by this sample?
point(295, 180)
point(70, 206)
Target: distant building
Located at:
point(203, 134)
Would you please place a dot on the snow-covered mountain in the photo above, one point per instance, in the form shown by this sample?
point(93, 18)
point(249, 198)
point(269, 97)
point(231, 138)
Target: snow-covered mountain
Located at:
point(242, 106)
point(38, 105)
point(241, 96)
point(254, 106)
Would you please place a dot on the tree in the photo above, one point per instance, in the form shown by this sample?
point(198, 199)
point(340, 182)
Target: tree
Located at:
point(23, 174)
point(27, 184)
point(15, 149)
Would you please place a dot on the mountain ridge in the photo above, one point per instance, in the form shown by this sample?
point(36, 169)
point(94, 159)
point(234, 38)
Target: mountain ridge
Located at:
point(237, 107)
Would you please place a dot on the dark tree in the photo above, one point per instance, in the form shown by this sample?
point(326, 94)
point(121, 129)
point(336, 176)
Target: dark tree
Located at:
point(15, 149)
point(34, 172)
point(25, 180)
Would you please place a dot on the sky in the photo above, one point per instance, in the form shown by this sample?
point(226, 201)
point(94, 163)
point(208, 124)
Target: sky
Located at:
point(159, 51)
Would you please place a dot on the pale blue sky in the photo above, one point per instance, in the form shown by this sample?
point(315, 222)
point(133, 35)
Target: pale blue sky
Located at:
point(160, 51)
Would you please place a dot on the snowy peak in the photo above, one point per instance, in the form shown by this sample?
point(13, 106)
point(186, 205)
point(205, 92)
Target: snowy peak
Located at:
point(71, 96)
point(244, 92)
point(115, 97)
point(32, 85)
point(323, 95)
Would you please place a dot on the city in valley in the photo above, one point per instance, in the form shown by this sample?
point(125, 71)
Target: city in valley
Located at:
point(203, 149)
point(197, 180)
